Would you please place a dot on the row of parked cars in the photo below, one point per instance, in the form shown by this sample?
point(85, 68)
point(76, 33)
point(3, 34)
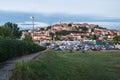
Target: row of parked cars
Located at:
point(76, 45)
point(66, 45)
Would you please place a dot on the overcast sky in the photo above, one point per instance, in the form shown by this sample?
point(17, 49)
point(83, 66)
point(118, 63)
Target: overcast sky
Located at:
point(108, 8)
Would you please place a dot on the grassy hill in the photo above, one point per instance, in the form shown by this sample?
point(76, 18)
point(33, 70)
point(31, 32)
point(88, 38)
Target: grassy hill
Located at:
point(57, 65)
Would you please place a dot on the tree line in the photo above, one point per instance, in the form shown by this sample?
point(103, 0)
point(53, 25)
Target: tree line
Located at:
point(10, 30)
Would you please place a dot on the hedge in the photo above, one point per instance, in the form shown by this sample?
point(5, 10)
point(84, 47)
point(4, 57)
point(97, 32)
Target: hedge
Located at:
point(10, 48)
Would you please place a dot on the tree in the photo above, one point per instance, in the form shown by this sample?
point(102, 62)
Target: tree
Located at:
point(92, 30)
point(84, 29)
point(97, 26)
point(14, 28)
point(49, 27)
point(116, 39)
point(42, 29)
point(94, 37)
point(52, 35)
point(57, 37)
point(70, 25)
point(63, 32)
point(6, 32)
point(28, 38)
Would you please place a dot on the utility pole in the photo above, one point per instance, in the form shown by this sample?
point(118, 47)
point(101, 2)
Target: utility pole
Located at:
point(32, 17)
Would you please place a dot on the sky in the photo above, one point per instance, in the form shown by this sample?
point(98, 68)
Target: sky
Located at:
point(108, 8)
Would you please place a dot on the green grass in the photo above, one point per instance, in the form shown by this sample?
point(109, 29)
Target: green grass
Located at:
point(57, 65)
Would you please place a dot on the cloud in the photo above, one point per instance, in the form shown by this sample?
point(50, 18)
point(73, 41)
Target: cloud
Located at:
point(29, 25)
point(93, 7)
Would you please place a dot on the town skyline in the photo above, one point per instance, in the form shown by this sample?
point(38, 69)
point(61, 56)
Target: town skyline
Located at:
point(71, 31)
point(104, 13)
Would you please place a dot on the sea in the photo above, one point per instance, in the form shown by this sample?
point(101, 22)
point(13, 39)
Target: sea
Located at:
point(44, 20)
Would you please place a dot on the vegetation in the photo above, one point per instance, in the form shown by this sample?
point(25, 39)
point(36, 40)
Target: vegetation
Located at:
point(70, 24)
point(64, 32)
point(52, 35)
point(94, 37)
point(97, 26)
point(28, 38)
point(10, 30)
point(116, 39)
point(42, 29)
point(84, 29)
point(49, 27)
point(10, 48)
point(56, 65)
point(55, 36)
point(5, 32)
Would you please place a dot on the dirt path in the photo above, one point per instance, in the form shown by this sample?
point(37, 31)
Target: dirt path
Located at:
point(7, 67)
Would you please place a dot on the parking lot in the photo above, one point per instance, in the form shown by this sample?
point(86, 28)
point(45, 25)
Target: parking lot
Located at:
point(77, 46)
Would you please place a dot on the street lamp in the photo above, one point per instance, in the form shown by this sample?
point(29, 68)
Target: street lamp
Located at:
point(32, 17)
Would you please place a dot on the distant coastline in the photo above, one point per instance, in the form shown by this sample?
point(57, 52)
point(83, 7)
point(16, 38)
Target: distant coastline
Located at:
point(44, 20)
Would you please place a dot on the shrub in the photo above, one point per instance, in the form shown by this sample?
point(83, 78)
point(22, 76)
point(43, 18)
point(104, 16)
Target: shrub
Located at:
point(25, 72)
point(10, 48)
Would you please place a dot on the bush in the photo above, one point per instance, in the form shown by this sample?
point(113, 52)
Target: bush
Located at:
point(10, 48)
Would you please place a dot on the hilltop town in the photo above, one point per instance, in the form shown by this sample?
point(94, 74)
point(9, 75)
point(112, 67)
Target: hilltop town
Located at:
point(72, 32)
